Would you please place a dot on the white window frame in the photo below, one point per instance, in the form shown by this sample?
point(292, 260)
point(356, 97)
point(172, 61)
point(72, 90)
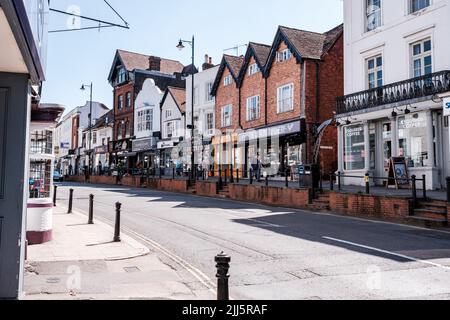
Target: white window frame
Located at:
point(210, 124)
point(253, 108)
point(170, 129)
point(411, 6)
point(281, 101)
point(209, 96)
point(253, 69)
point(145, 120)
point(228, 80)
point(168, 113)
point(120, 102)
point(284, 55)
point(227, 120)
point(376, 14)
point(375, 70)
point(421, 57)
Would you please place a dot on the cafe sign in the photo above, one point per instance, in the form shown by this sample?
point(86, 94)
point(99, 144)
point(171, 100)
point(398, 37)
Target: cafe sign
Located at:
point(447, 107)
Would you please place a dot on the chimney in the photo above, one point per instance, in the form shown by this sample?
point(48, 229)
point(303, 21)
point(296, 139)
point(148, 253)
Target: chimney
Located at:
point(154, 63)
point(208, 63)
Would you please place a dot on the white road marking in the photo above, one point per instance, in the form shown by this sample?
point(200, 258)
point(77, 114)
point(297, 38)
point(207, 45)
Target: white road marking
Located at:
point(388, 253)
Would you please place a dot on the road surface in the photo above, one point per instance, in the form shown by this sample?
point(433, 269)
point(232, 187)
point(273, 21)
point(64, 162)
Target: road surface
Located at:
point(279, 253)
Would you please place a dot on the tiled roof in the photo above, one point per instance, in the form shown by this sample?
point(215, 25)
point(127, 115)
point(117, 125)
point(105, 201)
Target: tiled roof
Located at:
point(180, 97)
point(261, 51)
point(134, 61)
point(235, 64)
point(312, 45)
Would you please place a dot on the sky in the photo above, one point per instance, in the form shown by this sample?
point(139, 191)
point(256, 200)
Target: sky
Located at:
point(79, 57)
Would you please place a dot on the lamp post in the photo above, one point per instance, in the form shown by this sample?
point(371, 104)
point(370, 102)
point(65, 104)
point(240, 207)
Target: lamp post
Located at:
point(181, 46)
point(83, 88)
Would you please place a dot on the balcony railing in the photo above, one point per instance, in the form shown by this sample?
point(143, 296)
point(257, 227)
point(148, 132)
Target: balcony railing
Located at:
point(419, 87)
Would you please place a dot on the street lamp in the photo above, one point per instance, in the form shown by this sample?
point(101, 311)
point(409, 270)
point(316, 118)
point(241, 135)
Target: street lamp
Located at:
point(83, 88)
point(181, 46)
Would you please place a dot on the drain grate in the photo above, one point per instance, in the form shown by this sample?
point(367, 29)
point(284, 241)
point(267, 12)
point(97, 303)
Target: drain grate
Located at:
point(131, 269)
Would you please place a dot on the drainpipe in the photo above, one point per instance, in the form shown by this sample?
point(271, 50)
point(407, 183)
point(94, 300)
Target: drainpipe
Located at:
point(266, 120)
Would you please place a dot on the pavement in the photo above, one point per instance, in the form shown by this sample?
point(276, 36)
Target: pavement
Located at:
point(82, 262)
point(280, 253)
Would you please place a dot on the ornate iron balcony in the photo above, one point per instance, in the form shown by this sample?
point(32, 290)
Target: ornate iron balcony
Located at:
point(414, 88)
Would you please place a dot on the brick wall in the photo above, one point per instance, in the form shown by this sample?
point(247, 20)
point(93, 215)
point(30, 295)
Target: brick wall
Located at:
point(125, 114)
point(369, 206)
point(253, 85)
point(225, 96)
point(206, 189)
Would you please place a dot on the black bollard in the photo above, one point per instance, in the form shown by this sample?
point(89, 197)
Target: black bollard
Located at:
point(331, 181)
point(339, 181)
point(237, 175)
point(367, 181)
point(251, 176)
point(91, 209)
point(70, 201)
point(448, 189)
point(286, 178)
point(424, 186)
point(55, 190)
point(267, 181)
point(223, 266)
point(117, 224)
point(414, 190)
point(173, 174)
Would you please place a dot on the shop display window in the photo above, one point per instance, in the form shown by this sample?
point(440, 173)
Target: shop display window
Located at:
point(413, 139)
point(354, 151)
point(40, 179)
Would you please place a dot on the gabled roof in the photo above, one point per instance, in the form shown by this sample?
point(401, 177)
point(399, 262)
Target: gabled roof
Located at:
point(258, 51)
point(132, 61)
point(178, 95)
point(304, 44)
point(234, 64)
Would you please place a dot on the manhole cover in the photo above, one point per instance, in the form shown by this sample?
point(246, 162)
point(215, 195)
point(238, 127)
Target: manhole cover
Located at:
point(131, 269)
point(53, 280)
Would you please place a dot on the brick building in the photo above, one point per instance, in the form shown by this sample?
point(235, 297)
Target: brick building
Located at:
point(281, 96)
point(128, 73)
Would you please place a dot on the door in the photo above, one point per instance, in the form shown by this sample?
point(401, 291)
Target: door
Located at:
point(14, 115)
point(446, 149)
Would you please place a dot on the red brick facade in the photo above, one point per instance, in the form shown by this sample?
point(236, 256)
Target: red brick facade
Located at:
point(227, 95)
point(126, 113)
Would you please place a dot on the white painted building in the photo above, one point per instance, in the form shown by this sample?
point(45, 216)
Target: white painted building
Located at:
point(396, 73)
point(147, 122)
point(173, 109)
point(204, 111)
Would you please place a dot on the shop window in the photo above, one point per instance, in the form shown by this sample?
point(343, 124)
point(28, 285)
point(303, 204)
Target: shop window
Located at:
point(354, 151)
point(413, 139)
point(446, 122)
point(416, 5)
point(373, 14)
point(41, 142)
point(375, 72)
point(387, 143)
point(40, 179)
point(373, 145)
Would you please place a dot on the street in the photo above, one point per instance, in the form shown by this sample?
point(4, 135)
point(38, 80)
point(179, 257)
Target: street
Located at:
point(278, 253)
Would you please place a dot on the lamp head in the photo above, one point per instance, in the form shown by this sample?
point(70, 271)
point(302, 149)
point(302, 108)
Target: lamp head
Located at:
point(180, 45)
point(82, 88)
point(348, 122)
point(394, 114)
point(407, 111)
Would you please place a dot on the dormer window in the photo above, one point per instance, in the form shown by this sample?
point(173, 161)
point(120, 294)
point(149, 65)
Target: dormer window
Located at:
point(253, 69)
point(227, 80)
point(122, 76)
point(284, 55)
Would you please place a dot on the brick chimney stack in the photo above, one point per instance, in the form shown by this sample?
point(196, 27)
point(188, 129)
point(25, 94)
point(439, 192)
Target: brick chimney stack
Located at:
point(208, 63)
point(154, 63)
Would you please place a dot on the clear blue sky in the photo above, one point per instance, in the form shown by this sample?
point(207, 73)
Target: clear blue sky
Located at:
point(156, 26)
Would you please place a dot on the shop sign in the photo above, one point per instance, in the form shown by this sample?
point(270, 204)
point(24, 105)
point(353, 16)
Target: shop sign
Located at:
point(101, 150)
point(412, 123)
point(447, 107)
point(144, 144)
point(281, 130)
point(165, 144)
point(354, 132)
point(65, 145)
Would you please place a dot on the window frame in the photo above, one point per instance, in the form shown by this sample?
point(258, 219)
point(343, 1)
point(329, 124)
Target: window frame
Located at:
point(128, 99)
point(209, 96)
point(421, 56)
point(375, 71)
point(120, 102)
point(225, 124)
point(279, 91)
point(228, 80)
point(411, 6)
point(284, 55)
point(375, 13)
point(250, 101)
point(253, 69)
point(209, 128)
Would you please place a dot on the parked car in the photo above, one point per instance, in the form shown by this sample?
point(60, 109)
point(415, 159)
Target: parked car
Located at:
point(57, 176)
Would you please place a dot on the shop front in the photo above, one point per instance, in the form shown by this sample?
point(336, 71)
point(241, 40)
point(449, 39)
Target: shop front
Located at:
point(145, 150)
point(101, 160)
point(170, 156)
point(123, 158)
point(416, 135)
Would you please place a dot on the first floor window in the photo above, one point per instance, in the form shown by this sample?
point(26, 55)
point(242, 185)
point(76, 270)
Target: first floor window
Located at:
point(253, 108)
point(354, 151)
point(94, 139)
point(120, 103)
point(286, 98)
point(226, 116)
point(170, 128)
point(128, 99)
point(416, 5)
point(209, 96)
point(373, 14)
point(375, 72)
point(210, 123)
point(145, 120)
point(422, 60)
point(412, 134)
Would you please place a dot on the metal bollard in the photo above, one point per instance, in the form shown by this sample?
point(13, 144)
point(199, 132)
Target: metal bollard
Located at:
point(424, 186)
point(55, 190)
point(286, 178)
point(339, 181)
point(173, 174)
point(414, 190)
point(251, 176)
point(237, 175)
point(231, 174)
point(267, 181)
point(70, 201)
point(226, 177)
point(91, 209)
point(160, 173)
point(331, 181)
point(367, 181)
point(117, 224)
point(448, 189)
point(223, 266)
